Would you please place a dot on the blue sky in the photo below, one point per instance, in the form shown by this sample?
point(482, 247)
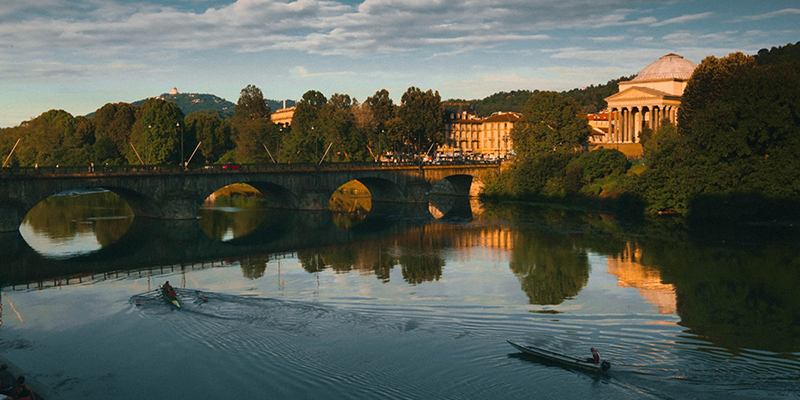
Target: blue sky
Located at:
point(77, 55)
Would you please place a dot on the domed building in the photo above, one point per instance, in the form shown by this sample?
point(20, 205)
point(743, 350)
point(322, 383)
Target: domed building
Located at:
point(646, 100)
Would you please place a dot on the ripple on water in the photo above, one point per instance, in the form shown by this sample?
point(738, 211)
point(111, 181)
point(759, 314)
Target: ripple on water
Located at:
point(390, 351)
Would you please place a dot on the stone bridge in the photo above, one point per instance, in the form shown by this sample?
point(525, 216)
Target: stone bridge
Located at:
point(159, 193)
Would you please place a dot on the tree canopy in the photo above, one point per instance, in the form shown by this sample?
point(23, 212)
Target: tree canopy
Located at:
point(157, 133)
point(253, 130)
point(551, 123)
point(422, 116)
point(738, 133)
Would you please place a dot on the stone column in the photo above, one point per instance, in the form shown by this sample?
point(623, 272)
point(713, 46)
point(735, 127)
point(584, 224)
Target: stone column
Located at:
point(659, 116)
point(613, 125)
point(631, 122)
point(653, 118)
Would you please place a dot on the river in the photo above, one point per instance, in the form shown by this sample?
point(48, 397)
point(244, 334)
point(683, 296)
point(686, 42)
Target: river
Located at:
point(412, 303)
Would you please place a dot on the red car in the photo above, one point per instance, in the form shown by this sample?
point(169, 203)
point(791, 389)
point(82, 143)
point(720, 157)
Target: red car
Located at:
point(232, 166)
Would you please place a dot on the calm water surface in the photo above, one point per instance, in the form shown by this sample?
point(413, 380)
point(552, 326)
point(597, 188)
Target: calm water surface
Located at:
point(404, 305)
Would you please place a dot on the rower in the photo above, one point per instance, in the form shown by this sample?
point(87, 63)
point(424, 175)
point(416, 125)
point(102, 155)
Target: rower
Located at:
point(595, 356)
point(168, 289)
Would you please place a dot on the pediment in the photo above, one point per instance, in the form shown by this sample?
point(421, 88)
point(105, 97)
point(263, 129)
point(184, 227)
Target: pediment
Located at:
point(638, 93)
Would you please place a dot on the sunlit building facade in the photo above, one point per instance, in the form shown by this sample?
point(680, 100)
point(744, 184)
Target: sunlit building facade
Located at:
point(647, 100)
point(283, 117)
point(467, 135)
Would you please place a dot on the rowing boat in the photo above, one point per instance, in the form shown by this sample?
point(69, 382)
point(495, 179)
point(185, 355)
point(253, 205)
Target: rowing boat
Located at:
point(562, 359)
point(170, 296)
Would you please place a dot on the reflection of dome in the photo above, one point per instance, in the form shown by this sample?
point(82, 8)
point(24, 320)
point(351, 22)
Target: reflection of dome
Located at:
point(671, 66)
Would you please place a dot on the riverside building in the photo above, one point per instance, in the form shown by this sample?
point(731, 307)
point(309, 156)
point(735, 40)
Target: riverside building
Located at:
point(473, 137)
point(645, 101)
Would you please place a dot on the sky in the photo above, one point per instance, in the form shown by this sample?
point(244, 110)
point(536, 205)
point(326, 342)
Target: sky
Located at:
point(78, 55)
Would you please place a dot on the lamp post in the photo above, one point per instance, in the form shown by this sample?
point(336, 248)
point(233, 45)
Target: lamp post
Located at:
point(149, 142)
point(178, 125)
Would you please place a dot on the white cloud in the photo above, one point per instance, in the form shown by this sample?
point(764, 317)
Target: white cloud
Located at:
point(693, 38)
point(682, 19)
point(302, 73)
point(49, 69)
point(775, 14)
point(609, 39)
point(103, 29)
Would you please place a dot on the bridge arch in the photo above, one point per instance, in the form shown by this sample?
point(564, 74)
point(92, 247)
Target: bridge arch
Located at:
point(277, 196)
point(458, 185)
point(382, 190)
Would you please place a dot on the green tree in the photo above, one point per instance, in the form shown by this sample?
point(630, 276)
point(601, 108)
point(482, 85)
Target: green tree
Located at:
point(550, 123)
point(737, 135)
point(56, 137)
point(253, 129)
point(381, 109)
point(601, 163)
point(114, 122)
point(157, 133)
point(338, 126)
point(213, 134)
point(251, 105)
point(706, 87)
point(422, 115)
point(306, 143)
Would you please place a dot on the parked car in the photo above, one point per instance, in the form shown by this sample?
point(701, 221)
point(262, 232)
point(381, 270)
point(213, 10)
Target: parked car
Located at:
point(232, 166)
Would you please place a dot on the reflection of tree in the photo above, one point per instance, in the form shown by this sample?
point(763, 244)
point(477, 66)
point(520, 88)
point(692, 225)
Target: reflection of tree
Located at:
point(64, 217)
point(422, 266)
point(340, 259)
point(310, 260)
point(254, 268)
point(549, 266)
point(421, 256)
point(740, 296)
point(250, 213)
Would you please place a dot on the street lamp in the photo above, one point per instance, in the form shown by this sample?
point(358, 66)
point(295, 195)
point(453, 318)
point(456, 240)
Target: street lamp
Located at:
point(178, 125)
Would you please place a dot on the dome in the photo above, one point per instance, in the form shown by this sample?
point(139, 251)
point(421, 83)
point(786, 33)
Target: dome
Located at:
point(671, 66)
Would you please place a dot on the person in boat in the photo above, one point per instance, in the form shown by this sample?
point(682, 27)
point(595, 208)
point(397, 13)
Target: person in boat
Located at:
point(23, 392)
point(168, 289)
point(6, 381)
point(595, 358)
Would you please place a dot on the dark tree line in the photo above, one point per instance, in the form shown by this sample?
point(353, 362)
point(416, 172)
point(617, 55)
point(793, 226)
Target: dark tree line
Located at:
point(737, 138)
point(340, 129)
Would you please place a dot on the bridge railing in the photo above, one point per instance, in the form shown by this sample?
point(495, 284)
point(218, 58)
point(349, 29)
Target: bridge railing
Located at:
point(215, 168)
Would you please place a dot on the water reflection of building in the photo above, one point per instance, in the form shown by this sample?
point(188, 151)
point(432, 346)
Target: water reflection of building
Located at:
point(465, 241)
point(647, 280)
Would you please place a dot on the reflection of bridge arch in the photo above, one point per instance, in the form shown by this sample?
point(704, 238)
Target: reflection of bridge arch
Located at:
point(181, 242)
point(178, 195)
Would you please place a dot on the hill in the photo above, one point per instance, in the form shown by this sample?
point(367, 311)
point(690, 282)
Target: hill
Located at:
point(591, 98)
point(208, 104)
point(197, 102)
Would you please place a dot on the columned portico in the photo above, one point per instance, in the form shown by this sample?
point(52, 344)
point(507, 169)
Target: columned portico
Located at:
point(647, 100)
